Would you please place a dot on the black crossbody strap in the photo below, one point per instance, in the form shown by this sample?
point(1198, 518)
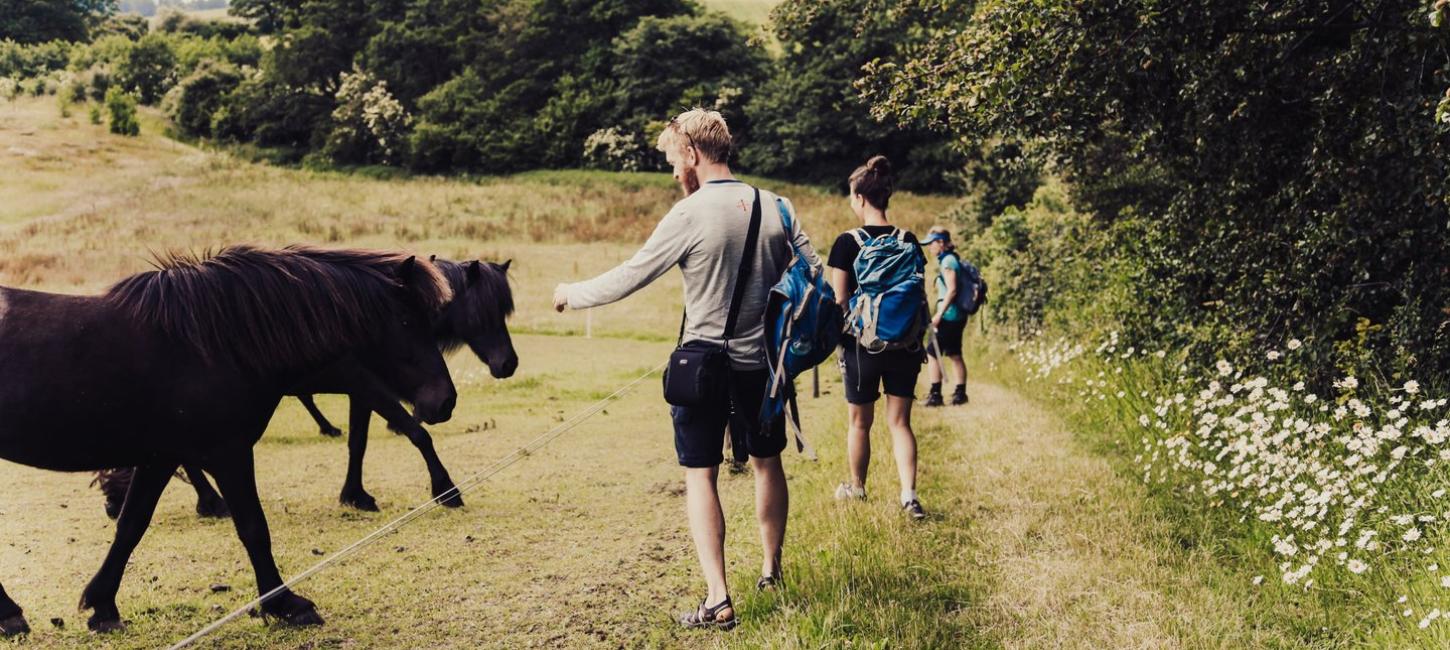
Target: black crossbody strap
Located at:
point(752, 237)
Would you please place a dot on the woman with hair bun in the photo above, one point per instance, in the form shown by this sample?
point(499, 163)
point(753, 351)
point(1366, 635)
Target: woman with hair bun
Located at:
point(868, 374)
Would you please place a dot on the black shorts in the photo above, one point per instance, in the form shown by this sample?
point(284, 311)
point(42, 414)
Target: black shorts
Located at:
point(700, 431)
point(949, 335)
point(867, 373)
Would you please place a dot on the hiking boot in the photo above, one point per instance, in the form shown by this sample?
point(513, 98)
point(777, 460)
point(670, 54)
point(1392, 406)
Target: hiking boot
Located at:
point(913, 508)
point(960, 397)
point(844, 492)
point(933, 399)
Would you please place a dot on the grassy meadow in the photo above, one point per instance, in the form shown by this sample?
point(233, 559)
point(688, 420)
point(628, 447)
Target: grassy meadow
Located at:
point(1034, 542)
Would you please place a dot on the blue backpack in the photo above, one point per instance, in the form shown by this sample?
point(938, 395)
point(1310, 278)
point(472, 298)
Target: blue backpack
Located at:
point(803, 327)
point(888, 309)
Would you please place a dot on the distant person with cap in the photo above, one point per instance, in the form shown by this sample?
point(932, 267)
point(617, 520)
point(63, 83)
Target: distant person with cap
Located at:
point(949, 321)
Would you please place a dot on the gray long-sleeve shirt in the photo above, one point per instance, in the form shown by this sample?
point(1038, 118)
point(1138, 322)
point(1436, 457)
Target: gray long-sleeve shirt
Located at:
point(704, 235)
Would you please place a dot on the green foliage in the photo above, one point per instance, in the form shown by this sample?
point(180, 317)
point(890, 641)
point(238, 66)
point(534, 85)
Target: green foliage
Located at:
point(270, 16)
point(369, 125)
point(269, 114)
point(38, 21)
point(130, 26)
point(95, 113)
point(809, 123)
point(1280, 163)
point(20, 61)
point(195, 100)
point(149, 68)
point(122, 107)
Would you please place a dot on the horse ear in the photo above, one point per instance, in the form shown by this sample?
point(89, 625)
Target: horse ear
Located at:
point(505, 265)
point(432, 258)
point(474, 272)
point(407, 269)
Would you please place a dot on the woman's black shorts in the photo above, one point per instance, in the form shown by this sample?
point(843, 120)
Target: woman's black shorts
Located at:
point(867, 374)
point(949, 336)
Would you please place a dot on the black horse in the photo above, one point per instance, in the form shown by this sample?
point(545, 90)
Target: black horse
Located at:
point(477, 317)
point(186, 364)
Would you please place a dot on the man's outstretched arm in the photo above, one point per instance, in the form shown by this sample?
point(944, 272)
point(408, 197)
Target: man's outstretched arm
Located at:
point(671, 240)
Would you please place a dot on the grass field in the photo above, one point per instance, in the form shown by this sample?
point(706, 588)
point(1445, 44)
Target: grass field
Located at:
point(1034, 543)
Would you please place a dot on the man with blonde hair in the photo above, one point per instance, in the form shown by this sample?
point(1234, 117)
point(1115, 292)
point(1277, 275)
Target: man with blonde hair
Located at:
point(730, 255)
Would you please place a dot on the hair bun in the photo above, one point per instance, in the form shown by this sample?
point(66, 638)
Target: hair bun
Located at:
point(880, 165)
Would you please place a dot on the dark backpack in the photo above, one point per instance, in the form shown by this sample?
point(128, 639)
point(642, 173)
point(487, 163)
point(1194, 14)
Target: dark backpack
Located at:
point(971, 287)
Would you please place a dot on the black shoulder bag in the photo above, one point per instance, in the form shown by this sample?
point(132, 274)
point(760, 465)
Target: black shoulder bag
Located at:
point(699, 371)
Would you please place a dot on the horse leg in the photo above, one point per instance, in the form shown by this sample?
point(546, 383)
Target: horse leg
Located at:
point(324, 427)
point(12, 619)
point(146, 486)
point(208, 502)
point(238, 482)
point(353, 493)
point(399, 420)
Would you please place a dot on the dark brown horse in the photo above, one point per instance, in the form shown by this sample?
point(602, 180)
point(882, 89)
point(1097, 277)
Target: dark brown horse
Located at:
point(476, 317)
point(187, 363)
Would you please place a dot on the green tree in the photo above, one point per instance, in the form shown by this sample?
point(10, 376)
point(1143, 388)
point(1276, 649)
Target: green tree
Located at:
point(810, 124)
point(1280, 163)
point(149, 68)
point(38, 21)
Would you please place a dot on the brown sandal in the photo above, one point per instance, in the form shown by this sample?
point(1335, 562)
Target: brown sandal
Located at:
point(709, 617)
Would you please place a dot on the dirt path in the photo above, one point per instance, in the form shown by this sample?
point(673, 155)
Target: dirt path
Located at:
point(1076, 558)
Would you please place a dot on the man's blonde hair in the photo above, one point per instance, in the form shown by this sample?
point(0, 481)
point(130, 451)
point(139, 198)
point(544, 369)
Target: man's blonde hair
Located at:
point(702, 129)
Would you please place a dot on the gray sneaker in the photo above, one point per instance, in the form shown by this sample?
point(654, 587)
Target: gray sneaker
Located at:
point(913, 508)
point(845, 491)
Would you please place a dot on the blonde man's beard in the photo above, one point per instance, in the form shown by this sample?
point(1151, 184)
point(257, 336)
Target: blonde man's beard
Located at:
point(689, 181)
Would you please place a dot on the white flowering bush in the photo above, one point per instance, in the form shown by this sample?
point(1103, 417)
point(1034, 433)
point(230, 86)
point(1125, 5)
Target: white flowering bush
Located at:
point(369, 125)
point(614, 149)
point(1345, 490)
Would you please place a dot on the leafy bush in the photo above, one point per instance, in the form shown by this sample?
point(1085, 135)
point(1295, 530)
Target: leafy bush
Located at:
point(149, 68)
point(615, 150)
point(270, 114)
point(22, 61)
point(122, 107)
point(1271, 187)
point(369, 125)
point(195, 100)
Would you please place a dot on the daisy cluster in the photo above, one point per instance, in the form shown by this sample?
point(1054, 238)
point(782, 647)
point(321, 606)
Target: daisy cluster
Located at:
point(1346, 484)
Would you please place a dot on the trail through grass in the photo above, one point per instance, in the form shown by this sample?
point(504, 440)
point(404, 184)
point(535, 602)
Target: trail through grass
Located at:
point(1035, 542)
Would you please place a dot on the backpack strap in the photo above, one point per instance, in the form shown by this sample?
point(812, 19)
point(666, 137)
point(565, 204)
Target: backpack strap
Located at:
point(752, 237)
point(860, 235)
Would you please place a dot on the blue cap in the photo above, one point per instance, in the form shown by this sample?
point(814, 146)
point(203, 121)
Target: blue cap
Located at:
point(936, 237)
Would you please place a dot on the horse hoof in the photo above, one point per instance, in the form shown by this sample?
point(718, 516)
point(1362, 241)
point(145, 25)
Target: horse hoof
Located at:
point(304, 618)
point(14, 626)
point(453, 500)
point(105, 626)
point(294, 610)
point(364, 502)
point(331, 432)
point(113, 508)
point(213, 510)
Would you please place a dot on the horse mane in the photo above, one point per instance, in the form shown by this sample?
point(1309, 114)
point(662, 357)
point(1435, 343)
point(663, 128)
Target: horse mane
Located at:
point(269, 309)
point(478, 308)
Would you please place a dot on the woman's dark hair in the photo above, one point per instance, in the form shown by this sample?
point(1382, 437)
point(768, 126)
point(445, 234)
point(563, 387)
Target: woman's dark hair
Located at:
point(873, 181)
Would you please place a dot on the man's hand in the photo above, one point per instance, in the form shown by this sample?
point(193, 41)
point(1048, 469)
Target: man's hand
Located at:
point(936, 322)
point(561, 298)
